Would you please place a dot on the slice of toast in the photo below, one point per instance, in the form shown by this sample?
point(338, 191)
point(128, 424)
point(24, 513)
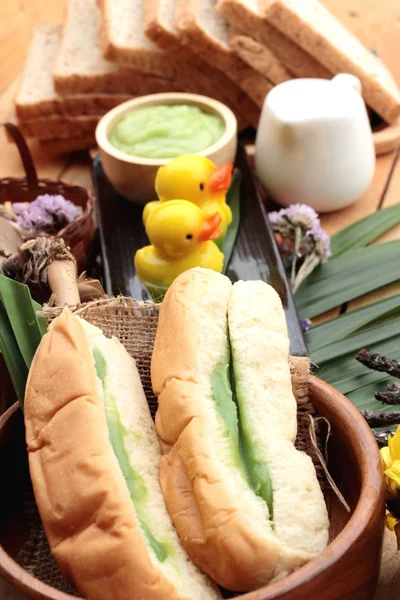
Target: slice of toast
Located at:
point(246, 15)
point(123, 41)
point(207, 33)
point(159, 26)
point(258, 56)
point(81, 68)
point(201, 77)
point(37, 97)
point(310, 25)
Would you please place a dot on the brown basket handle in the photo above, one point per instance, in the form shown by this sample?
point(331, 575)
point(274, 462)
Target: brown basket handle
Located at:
point(25, 154)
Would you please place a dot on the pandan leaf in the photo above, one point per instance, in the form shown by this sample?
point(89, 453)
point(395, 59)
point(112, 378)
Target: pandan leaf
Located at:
point(233, 201)
point(347, 374)
point(355, 269)
point(339, 370)
point(27, 327)
point(347, 277)
point(364, 399)
point(364, 339)
point(344, 325)
point(363, 232)
point(41, 322)
point(12, 356)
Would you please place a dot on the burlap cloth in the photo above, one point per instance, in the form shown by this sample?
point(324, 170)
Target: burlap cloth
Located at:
point(134, 324)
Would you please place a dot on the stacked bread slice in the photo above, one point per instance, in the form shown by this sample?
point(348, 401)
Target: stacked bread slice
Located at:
point(68, 84)
point(232, 50)
point(311, 42)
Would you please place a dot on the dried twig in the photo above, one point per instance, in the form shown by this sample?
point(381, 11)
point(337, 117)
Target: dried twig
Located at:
point(379, 418)
point(378, 362)
point(391, 395)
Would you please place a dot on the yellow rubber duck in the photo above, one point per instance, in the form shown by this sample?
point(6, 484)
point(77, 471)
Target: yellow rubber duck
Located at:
point(181, 237)
point(197, 179)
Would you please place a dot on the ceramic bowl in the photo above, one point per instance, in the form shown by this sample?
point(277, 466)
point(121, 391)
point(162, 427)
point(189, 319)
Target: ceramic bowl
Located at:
point(133, 176)
point(347, 570)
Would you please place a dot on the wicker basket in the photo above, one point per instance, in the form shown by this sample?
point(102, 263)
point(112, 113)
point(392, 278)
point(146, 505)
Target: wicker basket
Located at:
point(79, 235)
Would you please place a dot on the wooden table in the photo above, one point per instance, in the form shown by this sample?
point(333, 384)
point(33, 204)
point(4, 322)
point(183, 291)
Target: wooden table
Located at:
point(376, 22)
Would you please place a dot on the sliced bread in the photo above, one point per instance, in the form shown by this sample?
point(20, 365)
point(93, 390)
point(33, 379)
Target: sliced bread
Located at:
point(259, 57)
point(159, 25)
point(60, 127)
point(246, 15)
point(207, 33)
point(310, 25)
point(37, 97)
point(197, 75)
point(80, 67)
point(122, 39)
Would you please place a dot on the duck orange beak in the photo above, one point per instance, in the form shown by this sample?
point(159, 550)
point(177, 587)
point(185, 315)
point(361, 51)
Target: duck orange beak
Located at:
point(210, 228)
point(221, 179)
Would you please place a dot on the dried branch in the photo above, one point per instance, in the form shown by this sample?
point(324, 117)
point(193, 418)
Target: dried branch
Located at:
point(379, 418)
point(379, 362)
point(391, 395)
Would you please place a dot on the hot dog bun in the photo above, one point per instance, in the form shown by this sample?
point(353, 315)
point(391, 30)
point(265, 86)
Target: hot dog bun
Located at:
point(107, 525)
point(216, 501)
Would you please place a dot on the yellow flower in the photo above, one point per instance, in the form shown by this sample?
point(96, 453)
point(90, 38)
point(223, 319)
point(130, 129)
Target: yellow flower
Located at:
point(390, 456)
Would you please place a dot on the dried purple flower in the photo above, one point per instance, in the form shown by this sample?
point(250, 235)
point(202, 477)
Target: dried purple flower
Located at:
point(18, 207)
point(322, 242)
point(303, 215)
point(277, 217)
point(46, 214)
point(299, 225)
point(305, 324)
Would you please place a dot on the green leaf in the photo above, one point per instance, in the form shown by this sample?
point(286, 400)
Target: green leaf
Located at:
point(356, 268)
point(22, 317)
point(233, 201)
point(347, 277)
point(41, 321)
point(347, 374)
point(354, 343)
point(344, 325)
point(342, 369)
point(363, 398)
point(363, 232)
point(12, 356)
point(344, 372)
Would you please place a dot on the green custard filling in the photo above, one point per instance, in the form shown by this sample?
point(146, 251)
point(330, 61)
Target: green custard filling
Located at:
point(166, 131)
point(136, 485)
point(247, 457)
point(227, 409)
point(257, 468)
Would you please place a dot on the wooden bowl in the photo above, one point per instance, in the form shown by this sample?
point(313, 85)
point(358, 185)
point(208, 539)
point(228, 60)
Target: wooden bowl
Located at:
point(347, 570)
point(134, 176)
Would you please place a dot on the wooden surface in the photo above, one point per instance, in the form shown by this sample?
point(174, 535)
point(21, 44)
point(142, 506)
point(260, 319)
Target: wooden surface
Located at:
point(376, 22)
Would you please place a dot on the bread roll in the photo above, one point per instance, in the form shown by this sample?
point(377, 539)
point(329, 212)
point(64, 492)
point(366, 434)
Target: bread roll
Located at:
point(228, 482)
point(93, 458)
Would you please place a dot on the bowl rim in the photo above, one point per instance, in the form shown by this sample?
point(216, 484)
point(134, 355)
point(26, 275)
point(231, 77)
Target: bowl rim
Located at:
point(115, 114)
point(368, 504)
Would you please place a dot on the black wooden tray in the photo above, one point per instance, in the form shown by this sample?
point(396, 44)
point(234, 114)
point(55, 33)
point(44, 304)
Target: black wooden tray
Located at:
point(255, 255)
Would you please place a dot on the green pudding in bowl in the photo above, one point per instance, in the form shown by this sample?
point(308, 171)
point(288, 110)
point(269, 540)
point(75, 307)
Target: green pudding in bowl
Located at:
point(166, 131)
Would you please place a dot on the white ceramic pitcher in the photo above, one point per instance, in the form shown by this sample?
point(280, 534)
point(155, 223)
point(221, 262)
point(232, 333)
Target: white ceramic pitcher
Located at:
point(314, 143)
